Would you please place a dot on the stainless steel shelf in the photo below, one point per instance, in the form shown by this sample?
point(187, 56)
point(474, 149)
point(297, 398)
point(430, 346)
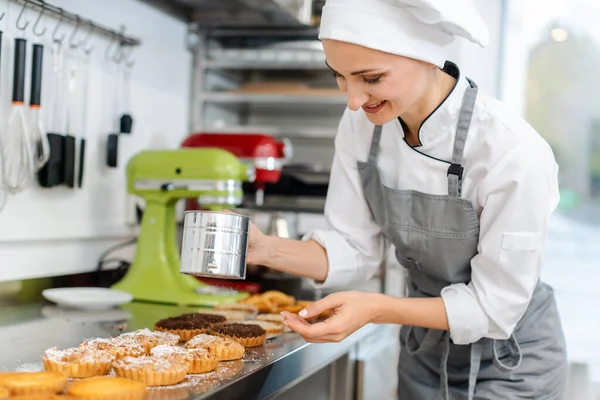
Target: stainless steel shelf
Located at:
point(234, 13)
point(233, 98)
point(265, 64)
point(287, 131)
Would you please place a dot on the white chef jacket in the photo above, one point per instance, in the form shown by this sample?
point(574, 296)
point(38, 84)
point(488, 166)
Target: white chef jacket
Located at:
point(510, 177)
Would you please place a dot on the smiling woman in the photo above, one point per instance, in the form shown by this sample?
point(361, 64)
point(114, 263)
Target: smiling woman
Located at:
point(459, 185)
point(386, 86)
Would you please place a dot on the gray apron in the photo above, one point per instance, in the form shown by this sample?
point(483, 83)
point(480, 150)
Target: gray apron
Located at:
point(436, 237)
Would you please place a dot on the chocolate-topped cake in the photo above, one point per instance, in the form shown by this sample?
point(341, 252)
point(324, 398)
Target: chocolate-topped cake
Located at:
point(182, 323)
point(246, 335)
point(186, 326)
point(213, 318)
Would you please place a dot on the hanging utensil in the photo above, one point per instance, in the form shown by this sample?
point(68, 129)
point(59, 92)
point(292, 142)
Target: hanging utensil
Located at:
point(84, 107)
point(112, 142)
point(38, 134)
point(70, 143)
point(126, 121)
point(52, 173)
point(17, 157)
point(84, 110)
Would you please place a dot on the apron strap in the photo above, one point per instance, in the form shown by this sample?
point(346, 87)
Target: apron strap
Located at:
point(444, 387)
point(476, 353)
point(455, 171)
point(431, 339)
point(515, 355)
point(374, 151)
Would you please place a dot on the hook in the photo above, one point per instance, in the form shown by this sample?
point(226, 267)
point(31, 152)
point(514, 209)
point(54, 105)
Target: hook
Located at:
point(20, 16)
point(38, 20)
point(88, 50)
point(119, 55)
point(71, 43)
point(129, 63)
point(109, 48)
point(56, 28)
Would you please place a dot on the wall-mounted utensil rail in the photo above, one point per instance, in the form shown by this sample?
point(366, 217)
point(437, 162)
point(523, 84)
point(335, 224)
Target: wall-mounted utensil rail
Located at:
point(44, 7)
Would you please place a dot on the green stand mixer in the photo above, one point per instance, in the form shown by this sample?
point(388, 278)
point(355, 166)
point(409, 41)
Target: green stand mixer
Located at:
point(214, 178)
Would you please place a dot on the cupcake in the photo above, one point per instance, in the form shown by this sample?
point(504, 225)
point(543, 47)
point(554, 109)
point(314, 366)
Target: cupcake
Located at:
point(212, 318)
point(273, 329)
point(150, 339)
point(107, 388)
point(25, 383)
point(117, 347)
point(275, 318)
point(248, 335)
point(223, 348)
point(152, 371)
point(201, 360)
point(77, 362)
point(185, 326)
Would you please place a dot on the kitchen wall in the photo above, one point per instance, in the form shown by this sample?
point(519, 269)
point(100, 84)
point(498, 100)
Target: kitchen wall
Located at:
point(60, 230)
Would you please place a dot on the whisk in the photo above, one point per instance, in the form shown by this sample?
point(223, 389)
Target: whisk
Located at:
point(17, 162)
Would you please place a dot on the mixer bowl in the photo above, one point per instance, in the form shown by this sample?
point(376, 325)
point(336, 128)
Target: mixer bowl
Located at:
point(214, 244)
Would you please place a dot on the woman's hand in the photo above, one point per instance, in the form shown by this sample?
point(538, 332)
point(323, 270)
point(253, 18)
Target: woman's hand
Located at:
point(259, 250)
point(351, 311)
point(296, 257)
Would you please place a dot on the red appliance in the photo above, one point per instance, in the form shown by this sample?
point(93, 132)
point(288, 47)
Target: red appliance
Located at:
point(267, 154)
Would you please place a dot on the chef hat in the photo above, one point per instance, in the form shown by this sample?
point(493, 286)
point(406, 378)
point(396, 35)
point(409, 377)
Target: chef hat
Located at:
point(418, 29)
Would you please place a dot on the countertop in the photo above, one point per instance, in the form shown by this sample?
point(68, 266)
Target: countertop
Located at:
point(27, 330)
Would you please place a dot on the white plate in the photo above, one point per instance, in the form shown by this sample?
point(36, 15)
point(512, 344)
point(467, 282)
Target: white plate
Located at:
point(87, 298)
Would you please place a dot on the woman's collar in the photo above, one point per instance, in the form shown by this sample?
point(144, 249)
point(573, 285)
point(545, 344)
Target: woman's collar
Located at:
point(444, 118)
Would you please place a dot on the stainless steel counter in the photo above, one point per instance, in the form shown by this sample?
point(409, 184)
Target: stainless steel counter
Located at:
point(265, 372)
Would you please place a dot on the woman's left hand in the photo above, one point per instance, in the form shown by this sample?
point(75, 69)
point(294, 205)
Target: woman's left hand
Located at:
point(351, 311)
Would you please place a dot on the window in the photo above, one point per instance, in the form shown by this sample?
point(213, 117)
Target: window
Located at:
point(551, 75)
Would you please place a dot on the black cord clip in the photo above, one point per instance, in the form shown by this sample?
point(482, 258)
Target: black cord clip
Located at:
point(455, 169)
